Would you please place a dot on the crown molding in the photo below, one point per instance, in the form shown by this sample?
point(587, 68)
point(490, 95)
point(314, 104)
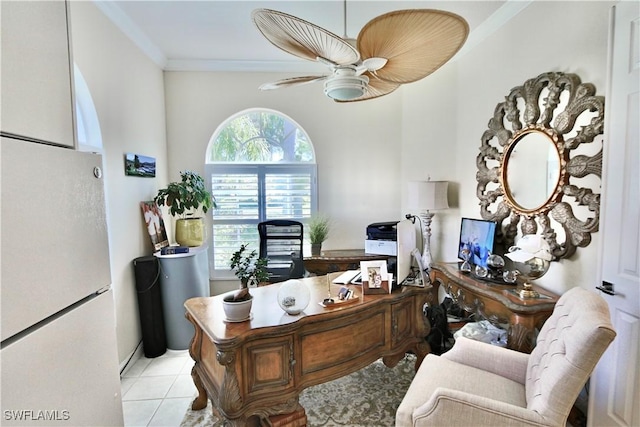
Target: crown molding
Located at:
point(131, 30)
point(121, 20)
point(493, 23)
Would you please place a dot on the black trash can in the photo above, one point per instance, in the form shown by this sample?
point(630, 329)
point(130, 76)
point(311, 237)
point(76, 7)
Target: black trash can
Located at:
point(154, 341)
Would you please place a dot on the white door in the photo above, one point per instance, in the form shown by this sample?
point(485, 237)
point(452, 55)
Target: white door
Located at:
point(615, 385)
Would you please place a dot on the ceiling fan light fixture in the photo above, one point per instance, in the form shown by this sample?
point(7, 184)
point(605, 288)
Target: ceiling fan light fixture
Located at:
point(346, 87)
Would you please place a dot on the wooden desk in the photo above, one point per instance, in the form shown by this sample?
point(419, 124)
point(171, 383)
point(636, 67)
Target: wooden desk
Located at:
point(259, 367)
point(339, 260)
point(497, 303)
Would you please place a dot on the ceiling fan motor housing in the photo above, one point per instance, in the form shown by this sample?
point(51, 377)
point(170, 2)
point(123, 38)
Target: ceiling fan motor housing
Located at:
point(345, 85)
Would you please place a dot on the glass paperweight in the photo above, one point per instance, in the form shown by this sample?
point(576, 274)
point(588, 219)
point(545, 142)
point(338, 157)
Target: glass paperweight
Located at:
point(495, 261)
point(480, 271)
point(293, 296)
point(510, 276)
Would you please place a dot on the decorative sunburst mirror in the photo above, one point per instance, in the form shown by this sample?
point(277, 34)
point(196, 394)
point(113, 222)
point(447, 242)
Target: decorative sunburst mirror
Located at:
point(540, 163)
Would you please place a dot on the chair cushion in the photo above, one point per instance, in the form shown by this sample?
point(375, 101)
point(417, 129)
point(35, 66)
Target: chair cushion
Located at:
point(438, 372)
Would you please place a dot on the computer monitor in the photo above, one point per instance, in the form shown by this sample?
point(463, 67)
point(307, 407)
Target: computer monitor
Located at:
point(478, 236)
point(406, 241)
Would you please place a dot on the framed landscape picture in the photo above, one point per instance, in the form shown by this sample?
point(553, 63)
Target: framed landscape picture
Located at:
point(139, 165)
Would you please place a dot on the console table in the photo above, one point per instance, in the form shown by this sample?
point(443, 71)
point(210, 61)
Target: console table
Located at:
point(257, 368)
point(339, 260)
point(497, 303)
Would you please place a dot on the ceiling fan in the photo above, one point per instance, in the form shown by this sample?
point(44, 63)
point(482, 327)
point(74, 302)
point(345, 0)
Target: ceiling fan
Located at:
point(392, 49)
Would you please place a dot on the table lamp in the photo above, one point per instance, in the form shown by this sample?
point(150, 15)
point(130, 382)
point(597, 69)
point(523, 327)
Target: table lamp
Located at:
point(427, 196)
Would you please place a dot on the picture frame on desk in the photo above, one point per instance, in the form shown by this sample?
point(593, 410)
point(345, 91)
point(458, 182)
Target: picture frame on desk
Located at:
point(375, 279)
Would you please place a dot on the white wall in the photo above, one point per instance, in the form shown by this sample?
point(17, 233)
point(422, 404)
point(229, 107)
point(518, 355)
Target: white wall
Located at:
point(570, 37)
point(127, 89)
point(357, 145)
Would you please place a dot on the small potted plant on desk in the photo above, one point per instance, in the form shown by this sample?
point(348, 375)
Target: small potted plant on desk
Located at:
point(318, 232)
point(183, 198)
point(250, 270)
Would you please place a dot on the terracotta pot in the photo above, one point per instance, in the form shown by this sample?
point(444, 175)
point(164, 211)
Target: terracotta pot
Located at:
point(237, 311)
point(190, 232)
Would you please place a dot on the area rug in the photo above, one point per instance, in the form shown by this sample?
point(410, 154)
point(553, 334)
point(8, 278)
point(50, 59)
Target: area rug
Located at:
point(367, 398)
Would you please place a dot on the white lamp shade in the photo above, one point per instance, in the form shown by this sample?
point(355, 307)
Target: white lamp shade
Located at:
point(428, 195)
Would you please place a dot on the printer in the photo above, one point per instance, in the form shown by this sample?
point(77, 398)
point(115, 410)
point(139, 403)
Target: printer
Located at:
point(382, 238)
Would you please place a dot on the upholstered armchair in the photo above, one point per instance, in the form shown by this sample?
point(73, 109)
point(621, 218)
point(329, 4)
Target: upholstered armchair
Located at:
point(477, 384)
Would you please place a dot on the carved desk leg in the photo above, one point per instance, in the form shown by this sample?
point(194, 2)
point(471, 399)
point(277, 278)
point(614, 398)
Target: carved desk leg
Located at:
point(521, 335)
point(421, 350)
point(200, 402)
point(423, 326)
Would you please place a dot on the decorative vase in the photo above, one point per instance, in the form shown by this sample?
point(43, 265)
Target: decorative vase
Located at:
point(293, 296)
point(190, 231)
point(237, 311)
point(316, 248)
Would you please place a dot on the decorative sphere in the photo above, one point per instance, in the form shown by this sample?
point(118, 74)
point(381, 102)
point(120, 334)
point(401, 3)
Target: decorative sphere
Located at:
point(533, 268)
point(495, 261)
point(510, 276)
point(293, 296)
point(480, 271)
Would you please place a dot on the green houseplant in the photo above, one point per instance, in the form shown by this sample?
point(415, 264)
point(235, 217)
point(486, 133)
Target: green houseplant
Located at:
point(319, 227)
point(183, 198)
point(249, 269)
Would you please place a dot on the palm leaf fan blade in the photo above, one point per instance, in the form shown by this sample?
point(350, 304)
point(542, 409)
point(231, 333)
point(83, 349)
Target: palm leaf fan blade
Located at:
point(292, 81)
point(303, 39)
point(415, 42)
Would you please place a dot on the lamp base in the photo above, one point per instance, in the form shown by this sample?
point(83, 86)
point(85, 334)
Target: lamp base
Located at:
point(427, 260)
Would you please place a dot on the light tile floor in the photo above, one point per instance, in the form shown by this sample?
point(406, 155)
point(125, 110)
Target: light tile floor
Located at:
point(157, 392)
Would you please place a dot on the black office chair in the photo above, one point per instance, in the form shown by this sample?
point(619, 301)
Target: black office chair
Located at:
point(281, 243)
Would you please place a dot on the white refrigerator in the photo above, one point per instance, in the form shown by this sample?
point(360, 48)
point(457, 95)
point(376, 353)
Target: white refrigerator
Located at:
point(58, 355)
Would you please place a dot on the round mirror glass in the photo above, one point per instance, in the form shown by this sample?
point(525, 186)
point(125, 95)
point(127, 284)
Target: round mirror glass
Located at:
point(531, 170)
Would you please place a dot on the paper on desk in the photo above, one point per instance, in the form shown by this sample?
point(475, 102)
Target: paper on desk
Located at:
point(346, 277)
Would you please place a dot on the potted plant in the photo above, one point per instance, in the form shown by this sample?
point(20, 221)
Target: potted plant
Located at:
point(183, 198)
point(318, 232)
point(250, 270)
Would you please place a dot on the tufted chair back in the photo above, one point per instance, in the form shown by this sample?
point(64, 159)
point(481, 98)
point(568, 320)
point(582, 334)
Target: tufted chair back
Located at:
point(568, 347)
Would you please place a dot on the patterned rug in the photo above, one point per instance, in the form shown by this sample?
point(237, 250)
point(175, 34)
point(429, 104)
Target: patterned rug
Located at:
point(367, 398)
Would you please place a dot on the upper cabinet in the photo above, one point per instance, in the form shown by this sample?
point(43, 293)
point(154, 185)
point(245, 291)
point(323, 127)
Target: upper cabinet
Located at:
point(36, 84)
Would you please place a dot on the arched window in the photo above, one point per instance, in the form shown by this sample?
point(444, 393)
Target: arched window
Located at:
point(261, 166)
point(87, 124)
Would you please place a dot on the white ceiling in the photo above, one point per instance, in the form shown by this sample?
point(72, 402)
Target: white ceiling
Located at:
point(219, 35)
